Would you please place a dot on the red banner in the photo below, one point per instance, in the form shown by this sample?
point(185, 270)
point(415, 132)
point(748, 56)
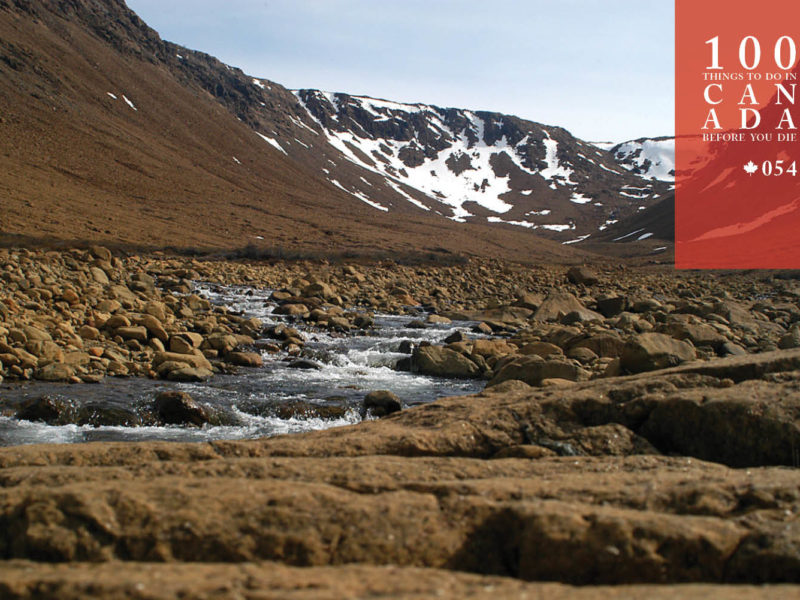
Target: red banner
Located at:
point(737, 200)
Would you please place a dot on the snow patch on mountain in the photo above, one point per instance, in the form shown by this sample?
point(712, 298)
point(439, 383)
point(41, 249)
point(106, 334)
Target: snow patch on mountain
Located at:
point(271, 142)
point(465, 170)
point(360, 196)
point(649, 158)
point(466, 165)
point(554, 171)
point(433, 177)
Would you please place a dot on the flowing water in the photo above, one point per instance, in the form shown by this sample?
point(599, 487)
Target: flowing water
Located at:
point(252, 403)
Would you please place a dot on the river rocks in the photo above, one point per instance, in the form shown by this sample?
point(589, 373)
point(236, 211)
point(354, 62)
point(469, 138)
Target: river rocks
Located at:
point(363, 321)
point(100, 253)
point(179, 408)
point(443, 362)
point(99, 415)
point(603, 344)
point(309, 410)
point(381, 403)
point(181, 373)
point(132, 333)
point(456, 336)
point(790, 339)
point(529, 300)
point(698, 333)
point(182, 344)
point(222, 343)
point(438, 320)
point(99, 275)
point(533, 370)
point(53, 411)
point(156, 294)
point(543, 349)
point(55, 372)
point(155, 328)
point(611, 306)
point(620, 480)
point(483, 328)
point(558, 305)
point(45, 351)
point(182, 367)
point(492, 349)
point(304, 364)
point(87, 332)
point(650, 351)
point(339, 324)
point(292, 310)
point(582, 354)
point(582, 276)
point(245, 359)
point(115, 322)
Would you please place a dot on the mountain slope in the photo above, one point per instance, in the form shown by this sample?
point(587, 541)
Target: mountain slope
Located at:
point(108, 133)
point(656, 222)
point(111, 133)
point(471, 166)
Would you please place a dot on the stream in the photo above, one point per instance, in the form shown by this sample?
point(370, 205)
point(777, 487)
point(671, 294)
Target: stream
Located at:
point(253, 402)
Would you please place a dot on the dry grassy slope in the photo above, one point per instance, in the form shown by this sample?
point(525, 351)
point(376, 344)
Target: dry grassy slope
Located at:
point(79, 165)
point(659, 220)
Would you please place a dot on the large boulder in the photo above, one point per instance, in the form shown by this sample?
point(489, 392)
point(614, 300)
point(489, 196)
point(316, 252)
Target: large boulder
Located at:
point(292, 310)
point(53, 411)
point(223, 342)
point(55, 372)
point(245, 359)
point(179, 408)
point(651, 351)
point(381, 403)
point(533, 370)
point(487, 348)
point(699, 334)
point(558, 305)
point(543, 349)
point(611, 306)
point(602, 344)
point(582, 276)
point(443, 362)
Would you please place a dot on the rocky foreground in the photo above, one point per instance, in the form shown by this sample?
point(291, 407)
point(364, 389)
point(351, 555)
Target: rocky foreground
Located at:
point(639, 431)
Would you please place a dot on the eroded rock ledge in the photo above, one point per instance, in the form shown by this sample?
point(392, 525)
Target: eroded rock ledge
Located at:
point(601, 482)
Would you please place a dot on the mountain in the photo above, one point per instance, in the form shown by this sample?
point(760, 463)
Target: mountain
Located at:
point(109, 133)
point(467, 165)
point(656, 222)
point(650, 158)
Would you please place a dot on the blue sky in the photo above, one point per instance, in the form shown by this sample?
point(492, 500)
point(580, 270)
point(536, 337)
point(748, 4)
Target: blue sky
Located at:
point(604, 69)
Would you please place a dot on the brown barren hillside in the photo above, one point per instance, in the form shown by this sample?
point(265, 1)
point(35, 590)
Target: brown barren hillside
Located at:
point(107, 135)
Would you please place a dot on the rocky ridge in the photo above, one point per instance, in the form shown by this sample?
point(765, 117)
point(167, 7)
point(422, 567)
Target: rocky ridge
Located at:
point(471, 166)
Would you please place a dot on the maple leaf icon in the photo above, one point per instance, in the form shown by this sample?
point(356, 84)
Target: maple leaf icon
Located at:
point(751, 167)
